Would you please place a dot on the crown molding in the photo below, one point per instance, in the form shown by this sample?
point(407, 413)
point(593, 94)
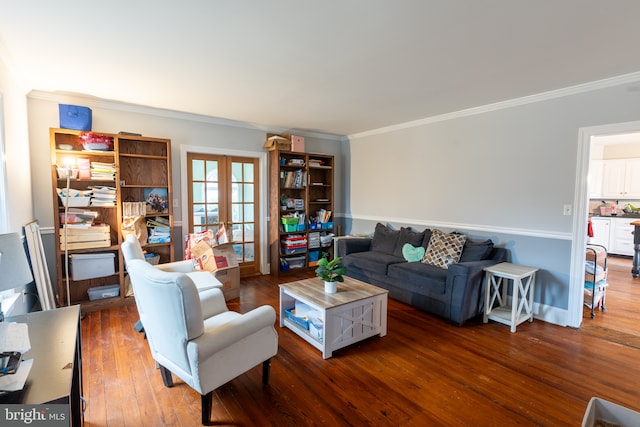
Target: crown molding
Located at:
point(543, 96)
point(91, 101)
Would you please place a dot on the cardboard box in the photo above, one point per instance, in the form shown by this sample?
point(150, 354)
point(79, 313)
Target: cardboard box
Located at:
point(602, 410)
point(230, 279)
point(297, 143)
point(90, 266)
point(277, 142)
point(214, 258)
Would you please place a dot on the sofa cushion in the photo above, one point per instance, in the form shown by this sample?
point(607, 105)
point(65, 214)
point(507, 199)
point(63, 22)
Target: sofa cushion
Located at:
point(412, 253)
point(376, 262)
point(427, 237)
point(407, 235)
point(476, 250)
point(417, 277)
point(385, 239)
point(444, 249)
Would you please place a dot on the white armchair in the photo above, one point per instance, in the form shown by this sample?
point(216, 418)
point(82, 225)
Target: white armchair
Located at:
point(203, 280)
point(193, 334)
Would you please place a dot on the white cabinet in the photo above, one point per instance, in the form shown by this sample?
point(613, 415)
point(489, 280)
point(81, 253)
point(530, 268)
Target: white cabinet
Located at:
point(621, 236)
point(595, 179)
point(621, 179)
point(601, 231)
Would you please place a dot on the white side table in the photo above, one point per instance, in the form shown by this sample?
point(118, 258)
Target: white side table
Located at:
point(499, 277)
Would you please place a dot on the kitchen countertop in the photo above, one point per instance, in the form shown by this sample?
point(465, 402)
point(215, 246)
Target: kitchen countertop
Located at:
point(615, 216)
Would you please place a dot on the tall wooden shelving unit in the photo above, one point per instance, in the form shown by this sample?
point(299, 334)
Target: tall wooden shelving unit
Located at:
point(140, 163)
point(145, 163)
point(314, 193)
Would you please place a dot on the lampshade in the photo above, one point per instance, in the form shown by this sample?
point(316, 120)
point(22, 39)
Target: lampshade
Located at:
point(14, 267)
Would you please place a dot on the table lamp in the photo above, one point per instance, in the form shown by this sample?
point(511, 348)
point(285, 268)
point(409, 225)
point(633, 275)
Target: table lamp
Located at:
point(14, 267)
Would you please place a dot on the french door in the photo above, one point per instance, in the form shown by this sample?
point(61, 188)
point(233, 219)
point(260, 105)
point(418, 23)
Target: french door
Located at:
point(223, 190)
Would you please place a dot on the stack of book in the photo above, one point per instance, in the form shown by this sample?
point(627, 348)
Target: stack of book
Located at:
point(103, 171)
point(82, 236)
point(103, 196)
point(159, 230)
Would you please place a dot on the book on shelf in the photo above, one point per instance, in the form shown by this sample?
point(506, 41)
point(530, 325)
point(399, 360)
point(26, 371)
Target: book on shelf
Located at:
point(293, 179)
point(159, 230)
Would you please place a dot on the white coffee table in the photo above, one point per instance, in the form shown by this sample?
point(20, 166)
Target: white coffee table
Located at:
point(356, 312)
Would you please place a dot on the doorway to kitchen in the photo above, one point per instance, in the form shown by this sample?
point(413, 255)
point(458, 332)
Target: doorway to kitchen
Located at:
point(588, 198)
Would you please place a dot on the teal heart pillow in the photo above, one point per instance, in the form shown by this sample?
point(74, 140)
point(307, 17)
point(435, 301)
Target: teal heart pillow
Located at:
point(411, 253)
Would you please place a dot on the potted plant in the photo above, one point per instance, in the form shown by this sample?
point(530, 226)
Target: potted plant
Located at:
point(330, 272)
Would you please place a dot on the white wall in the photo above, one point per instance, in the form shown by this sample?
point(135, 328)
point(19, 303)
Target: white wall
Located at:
point(16, 152)
point(16, 169)
point(504, 173)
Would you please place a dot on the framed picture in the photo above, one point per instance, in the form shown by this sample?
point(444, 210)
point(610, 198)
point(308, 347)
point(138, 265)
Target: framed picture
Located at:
point(157, 200)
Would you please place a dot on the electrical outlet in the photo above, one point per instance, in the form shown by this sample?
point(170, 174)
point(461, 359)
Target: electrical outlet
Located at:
point(566, 210)
point(175, 203)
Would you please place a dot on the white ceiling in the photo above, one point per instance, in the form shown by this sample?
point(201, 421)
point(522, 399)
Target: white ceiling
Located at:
point(335, 66)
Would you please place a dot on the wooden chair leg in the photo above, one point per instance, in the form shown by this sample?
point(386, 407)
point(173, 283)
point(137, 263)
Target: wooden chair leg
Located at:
point(207, 404)
point(266, 365)
point(166, 376)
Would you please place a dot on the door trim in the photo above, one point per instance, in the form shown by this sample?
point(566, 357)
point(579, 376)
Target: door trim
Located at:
point(263, 208)
point(581, 212)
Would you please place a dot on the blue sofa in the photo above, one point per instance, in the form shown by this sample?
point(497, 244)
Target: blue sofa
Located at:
point(455, 293)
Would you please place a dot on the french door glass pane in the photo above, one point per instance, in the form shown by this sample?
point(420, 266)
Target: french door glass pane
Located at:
point(198, 192)
point(249, 251)
point(248, 233)
point(212, 170)
point(236, 212)
point(236, 195)
point(248, 212)
point(248, 172)
point(248, 193)
point(197, 173)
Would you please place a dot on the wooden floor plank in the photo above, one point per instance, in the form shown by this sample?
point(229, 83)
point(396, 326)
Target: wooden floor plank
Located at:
point(426, 371)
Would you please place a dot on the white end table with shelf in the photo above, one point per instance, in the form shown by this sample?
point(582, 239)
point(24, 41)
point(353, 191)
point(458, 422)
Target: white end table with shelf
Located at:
point(498, 278)
point(355, 312)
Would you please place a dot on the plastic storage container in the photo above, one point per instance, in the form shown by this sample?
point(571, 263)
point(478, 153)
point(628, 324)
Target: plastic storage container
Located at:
point(74, 117)
point(89, 266)
point(102, 292)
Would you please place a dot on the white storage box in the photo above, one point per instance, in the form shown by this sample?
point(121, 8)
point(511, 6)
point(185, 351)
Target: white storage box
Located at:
point(600, 411)
point(89, 266)
point(102, 292)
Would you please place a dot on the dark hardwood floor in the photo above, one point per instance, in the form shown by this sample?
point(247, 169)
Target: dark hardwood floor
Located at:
point(424, 372)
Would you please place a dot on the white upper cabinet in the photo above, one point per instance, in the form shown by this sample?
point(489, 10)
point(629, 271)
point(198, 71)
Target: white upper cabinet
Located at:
point(595, 179)
point(621, 179)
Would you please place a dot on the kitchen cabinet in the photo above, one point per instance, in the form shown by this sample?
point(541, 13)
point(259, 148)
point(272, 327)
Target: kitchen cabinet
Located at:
point(621, 179)
point(595, 179)
point(621, 236)
point(601, 231)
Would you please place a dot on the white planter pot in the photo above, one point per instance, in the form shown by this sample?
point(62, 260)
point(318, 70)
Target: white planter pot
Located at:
point(331, 287)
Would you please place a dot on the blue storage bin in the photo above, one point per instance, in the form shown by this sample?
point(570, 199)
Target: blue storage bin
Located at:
point(75, 117)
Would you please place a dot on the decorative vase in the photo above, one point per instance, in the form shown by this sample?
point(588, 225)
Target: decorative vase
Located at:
point(330, 287)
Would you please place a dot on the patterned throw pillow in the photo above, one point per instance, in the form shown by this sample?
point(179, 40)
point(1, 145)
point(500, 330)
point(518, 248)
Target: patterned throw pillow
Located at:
point(444, 249)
